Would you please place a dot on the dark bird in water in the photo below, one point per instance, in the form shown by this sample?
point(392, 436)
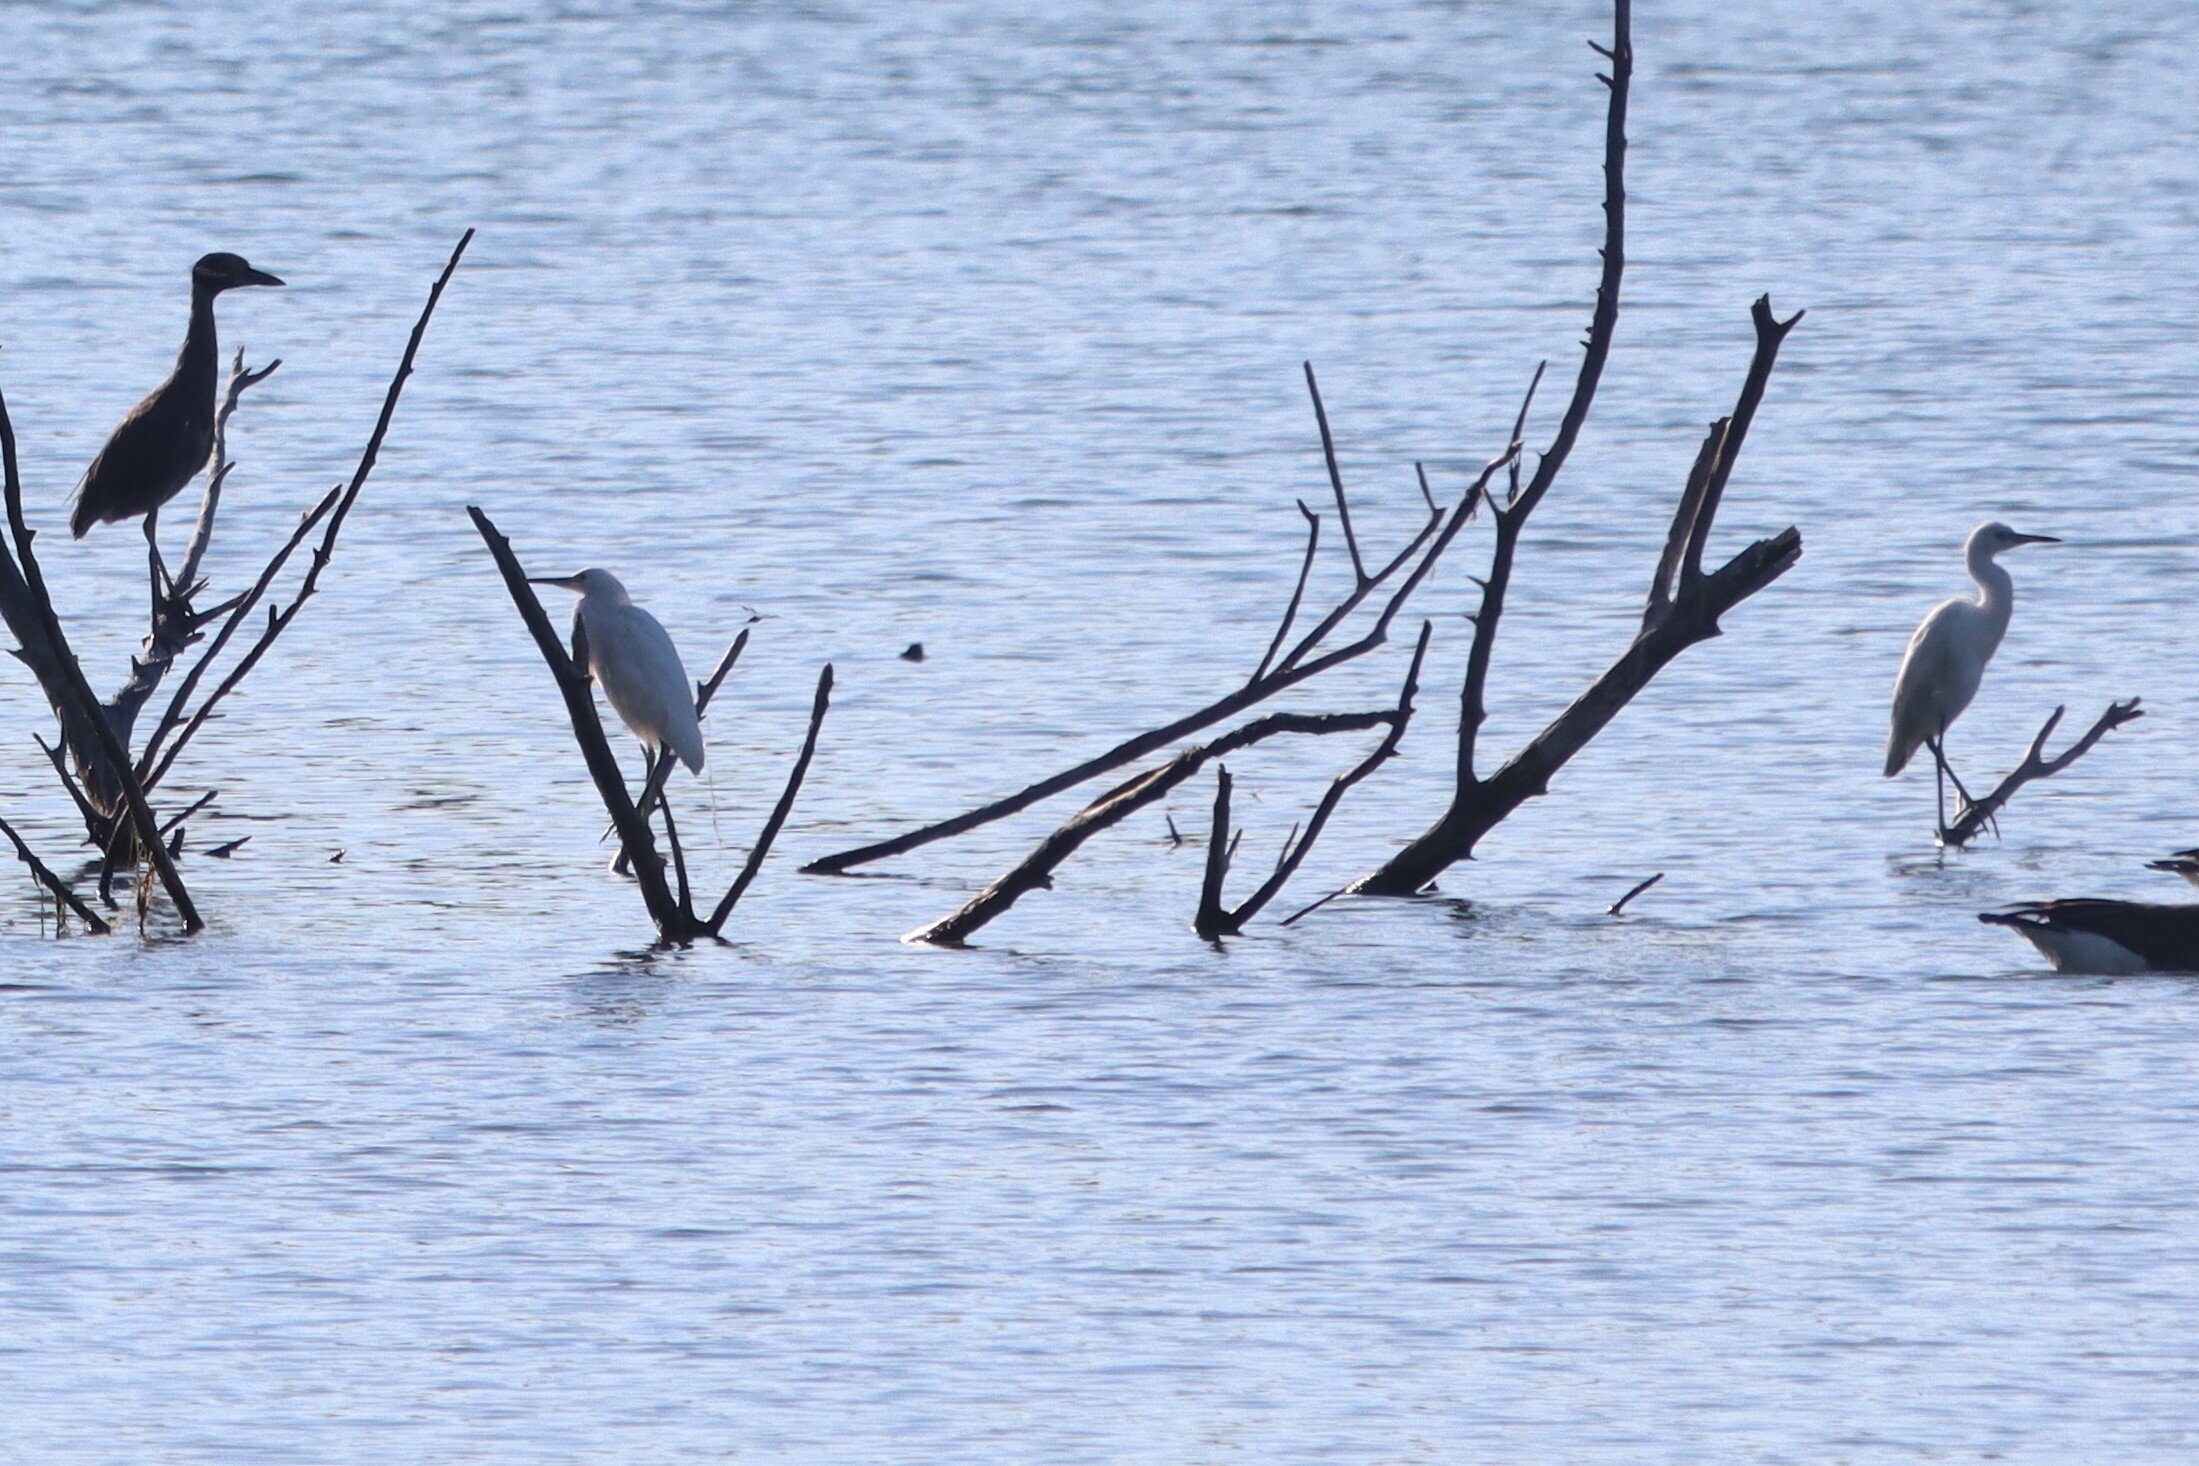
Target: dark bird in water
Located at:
point(2117, 938)
point(167, 438)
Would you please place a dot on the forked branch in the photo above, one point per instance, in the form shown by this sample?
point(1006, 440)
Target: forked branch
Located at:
point(1274, 675)
point(1036, 870)
point(2035, 765)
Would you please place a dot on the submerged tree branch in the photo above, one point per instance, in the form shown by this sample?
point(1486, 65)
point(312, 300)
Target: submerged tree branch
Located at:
point(1036, 870)
point(53, 883)
point(77, 692)
point(1294, 667)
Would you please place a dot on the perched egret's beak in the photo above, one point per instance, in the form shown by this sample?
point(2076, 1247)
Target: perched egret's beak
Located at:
point(562, 582)
point(259, 277)
point(2036, 539)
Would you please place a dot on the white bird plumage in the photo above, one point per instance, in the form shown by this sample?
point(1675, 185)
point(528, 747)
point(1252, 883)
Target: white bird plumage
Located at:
point(632, 658)
point(1947, 656)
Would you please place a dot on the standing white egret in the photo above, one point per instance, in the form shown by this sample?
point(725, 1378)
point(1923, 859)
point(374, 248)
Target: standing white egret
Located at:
point(1947, 657)
point(632, 658)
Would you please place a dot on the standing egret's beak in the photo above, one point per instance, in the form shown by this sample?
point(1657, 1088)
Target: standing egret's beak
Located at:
point(2036, 539)
point(260, 277)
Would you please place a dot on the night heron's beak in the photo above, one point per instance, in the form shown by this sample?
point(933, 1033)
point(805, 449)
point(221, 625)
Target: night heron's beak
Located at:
point(562, 582)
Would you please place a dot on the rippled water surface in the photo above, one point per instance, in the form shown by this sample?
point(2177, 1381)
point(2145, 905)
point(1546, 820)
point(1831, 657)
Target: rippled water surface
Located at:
point(979, 325)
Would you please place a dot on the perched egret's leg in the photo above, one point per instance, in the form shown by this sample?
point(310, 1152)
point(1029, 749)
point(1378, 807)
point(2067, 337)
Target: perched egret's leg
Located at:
point(1939, 779)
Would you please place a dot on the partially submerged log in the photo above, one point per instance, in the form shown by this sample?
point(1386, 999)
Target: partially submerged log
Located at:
point(665, 891)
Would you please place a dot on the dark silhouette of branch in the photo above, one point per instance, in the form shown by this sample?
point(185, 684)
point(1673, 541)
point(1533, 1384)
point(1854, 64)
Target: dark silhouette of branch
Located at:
point(1620, 905)
point(1036, 870)
point(1214, 919)
point(53, 883)
point(1336, 478)
point(779, 812)
point(2035, 765)
point(1684, 603)
point(77, 692)
point(1294, 667)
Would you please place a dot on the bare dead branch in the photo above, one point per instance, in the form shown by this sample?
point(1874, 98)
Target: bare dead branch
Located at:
point(78, 692)
point(129, 700)
point(203, 534)
point(1603, 324)
point(779, 812)
point(1620, 905)
point(1336, 478)
point(1221, 849)
point(1295, 667)
point(1036, 870)
point(1770, 332)
point(44, 875)
point(1213, 919)
point(1298, 592)
point(2035, 765)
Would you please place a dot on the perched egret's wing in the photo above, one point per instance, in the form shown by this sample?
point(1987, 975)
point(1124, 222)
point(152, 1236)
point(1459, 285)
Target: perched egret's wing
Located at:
point(633, 657)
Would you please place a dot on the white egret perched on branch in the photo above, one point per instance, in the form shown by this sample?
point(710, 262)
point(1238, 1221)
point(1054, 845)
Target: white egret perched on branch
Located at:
point(632, 658)
point(1947, 657)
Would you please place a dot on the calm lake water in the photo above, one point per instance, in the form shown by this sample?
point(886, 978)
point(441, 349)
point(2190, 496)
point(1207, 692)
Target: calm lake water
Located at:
point(979, 325)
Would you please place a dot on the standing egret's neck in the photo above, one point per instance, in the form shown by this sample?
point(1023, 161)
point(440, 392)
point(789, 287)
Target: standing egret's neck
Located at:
point(1997, 593)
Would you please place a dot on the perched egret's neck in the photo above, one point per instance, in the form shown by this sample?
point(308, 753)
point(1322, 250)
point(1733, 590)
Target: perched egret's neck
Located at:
point(1996, 591)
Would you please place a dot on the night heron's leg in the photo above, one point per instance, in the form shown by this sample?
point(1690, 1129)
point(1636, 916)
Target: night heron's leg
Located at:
point(162, 586)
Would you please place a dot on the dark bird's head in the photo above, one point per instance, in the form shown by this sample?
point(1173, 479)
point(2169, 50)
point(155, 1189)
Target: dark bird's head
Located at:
point(221, 271)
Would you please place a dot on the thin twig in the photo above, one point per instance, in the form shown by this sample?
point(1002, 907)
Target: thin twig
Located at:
point(1298, 592)
point(1336, 477)
point(779, 812)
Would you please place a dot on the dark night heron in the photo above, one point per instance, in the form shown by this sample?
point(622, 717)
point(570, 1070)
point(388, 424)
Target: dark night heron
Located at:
point(167, 438)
